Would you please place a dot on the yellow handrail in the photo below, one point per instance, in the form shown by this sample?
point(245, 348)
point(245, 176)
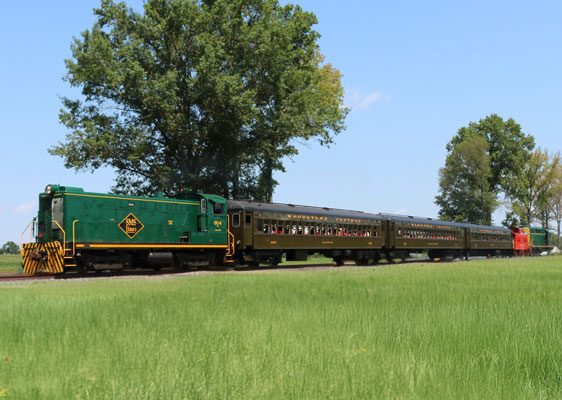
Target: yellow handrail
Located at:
point(30, 236)
point(230, 249)
point(63, 237)
point(74, 236)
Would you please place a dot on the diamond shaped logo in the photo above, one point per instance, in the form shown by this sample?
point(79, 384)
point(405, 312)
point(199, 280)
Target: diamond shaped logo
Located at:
point(131, 226)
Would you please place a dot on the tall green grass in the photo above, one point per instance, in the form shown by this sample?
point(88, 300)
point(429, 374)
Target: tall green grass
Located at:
point(10, 262)
point(480, 329)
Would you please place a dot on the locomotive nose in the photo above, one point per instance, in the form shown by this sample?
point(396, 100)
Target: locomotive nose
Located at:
point(42, 257)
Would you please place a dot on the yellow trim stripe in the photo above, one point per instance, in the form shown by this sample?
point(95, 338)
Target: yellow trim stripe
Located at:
point(149, 246)
point(132, 199)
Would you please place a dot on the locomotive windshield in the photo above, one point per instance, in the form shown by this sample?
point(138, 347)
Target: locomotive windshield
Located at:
point(44, 218)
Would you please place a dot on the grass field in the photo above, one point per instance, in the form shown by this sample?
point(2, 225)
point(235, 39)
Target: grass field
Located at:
point(480, 329)
point(10, 262)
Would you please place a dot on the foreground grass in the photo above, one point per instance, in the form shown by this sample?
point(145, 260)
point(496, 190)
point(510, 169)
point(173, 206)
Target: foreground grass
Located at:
point(10, 262)
point(481, 329)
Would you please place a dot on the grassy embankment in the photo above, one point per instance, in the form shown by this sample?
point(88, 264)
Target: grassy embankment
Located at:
point(479, 329)
point(10, 263)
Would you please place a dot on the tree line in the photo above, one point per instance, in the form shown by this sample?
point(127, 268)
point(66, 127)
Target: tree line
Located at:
point(492, 162)
point(9, 248)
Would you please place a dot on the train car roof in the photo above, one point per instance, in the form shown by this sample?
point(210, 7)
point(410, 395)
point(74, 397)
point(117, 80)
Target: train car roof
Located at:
point(254, 206)
point(489, 227)
point(432, 221)
point(419, 220)
point(302, 210)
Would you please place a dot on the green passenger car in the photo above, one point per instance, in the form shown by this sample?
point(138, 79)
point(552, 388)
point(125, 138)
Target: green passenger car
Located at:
point(108, 231)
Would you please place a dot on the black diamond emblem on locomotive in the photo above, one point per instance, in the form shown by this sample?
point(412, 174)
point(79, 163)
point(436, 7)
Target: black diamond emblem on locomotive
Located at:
point(131, 226)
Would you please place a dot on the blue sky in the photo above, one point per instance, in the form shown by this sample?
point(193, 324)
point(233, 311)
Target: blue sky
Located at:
point(414, 72)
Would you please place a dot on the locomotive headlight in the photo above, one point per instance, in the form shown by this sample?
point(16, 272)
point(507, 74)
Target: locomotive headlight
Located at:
point(50, 189)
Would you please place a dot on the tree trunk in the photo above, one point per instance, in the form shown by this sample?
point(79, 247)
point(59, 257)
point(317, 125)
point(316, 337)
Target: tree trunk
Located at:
point(267, 181)
point(236, 179)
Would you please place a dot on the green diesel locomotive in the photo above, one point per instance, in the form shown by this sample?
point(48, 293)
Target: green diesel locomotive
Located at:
point(93, 231)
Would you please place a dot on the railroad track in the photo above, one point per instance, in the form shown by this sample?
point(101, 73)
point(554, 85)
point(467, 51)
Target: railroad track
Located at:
point(209, 270)
point(19, 277)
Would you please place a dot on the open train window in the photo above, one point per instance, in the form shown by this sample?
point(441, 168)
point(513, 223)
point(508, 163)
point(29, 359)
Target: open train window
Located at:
point(236, 220)
point(248, 219)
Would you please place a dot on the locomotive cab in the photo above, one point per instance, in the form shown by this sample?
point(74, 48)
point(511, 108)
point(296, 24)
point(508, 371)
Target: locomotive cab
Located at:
point(46, 250)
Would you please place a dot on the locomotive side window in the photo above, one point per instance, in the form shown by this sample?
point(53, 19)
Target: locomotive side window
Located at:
point(203, 206)
point(248, 219)
point(236, 220)
point(218, 208)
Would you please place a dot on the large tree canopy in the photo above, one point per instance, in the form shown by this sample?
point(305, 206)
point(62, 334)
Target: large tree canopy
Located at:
point(465, 193)
point(484, 159)
point(509, 149)
point(207, 95)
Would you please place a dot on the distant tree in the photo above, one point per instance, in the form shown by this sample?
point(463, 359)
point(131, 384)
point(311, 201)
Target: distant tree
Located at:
point(532, 192)
point(511, 219)
point(10, 248)
point(464, 189)
point(209, 95)
point(556, 211)
point(509, 148)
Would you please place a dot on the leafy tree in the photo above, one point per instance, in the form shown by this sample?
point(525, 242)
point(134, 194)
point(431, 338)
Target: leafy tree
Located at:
point(465, 193)
point(556, 199)
point(208, 95)
point(508, 147)
point(511, 219)
point(533, 191)
point(10, 248)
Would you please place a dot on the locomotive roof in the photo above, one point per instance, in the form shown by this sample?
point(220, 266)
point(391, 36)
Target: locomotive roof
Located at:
point(253, 206)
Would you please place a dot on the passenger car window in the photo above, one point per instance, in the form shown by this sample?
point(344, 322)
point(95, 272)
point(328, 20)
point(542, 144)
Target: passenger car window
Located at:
point(236, 220)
